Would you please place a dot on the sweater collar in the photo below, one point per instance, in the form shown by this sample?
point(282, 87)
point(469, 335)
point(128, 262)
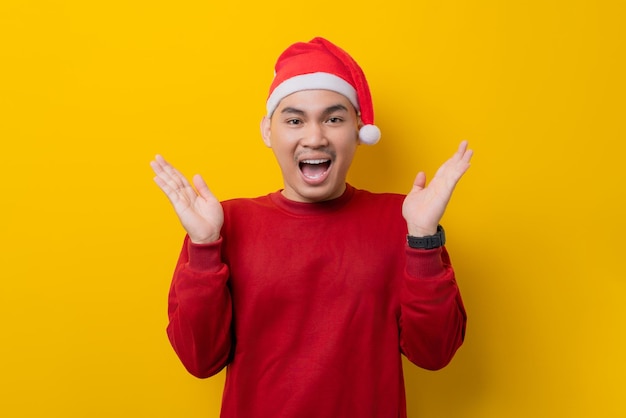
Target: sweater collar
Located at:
point(312, 209)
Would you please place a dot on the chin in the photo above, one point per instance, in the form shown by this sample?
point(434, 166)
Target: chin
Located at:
point(320, 193)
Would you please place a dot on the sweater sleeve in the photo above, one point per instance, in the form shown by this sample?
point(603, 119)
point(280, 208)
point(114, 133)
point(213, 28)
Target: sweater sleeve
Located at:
point(432, 315)
point(200, 309)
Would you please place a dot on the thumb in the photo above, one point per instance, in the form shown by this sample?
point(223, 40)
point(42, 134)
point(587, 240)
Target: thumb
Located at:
point(420, 181)
point(201, 187)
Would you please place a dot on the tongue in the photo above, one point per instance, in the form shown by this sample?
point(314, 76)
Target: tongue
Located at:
point(314, 170)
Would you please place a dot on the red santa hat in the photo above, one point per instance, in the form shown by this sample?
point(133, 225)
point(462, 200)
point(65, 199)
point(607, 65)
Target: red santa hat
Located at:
point(319, 64)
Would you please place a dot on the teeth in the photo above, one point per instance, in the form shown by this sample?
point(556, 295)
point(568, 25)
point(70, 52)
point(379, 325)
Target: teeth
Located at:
point(314, 161)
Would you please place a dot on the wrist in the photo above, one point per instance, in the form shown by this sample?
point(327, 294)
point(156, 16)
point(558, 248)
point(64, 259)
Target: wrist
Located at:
point(204, 240)
point(422, 232)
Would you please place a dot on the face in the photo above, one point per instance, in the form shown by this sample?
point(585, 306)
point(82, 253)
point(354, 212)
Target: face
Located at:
point(314, 136)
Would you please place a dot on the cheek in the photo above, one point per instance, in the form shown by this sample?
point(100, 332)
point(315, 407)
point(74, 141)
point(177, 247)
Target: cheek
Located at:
point(284, 138)
point(349, 145)
point(283, 152)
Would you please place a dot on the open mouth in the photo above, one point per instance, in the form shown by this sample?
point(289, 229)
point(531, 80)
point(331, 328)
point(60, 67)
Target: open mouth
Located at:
point(314, 169)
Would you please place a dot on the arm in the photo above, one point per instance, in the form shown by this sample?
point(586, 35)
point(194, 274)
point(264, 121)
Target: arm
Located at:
point(432, 317)
point(200, 307)
point(200, 310)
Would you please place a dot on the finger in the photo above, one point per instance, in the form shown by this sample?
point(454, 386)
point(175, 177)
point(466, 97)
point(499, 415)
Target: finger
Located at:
point(460, 152)
point(202, 188)
point(160, 178)
point(463, 151)
point(159, 163)
point(166, 182)
point(460, 161)
point(161, 167)
point(169, 174)
point(165, 188)
point(468, 156)
point(462, 147)
point(156, 164)
point(452, 170)
point(420, 181)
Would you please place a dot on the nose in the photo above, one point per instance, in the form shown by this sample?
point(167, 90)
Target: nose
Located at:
point(314, 136)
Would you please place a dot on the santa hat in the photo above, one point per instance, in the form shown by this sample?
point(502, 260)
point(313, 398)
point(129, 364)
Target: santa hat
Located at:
point(319, 64)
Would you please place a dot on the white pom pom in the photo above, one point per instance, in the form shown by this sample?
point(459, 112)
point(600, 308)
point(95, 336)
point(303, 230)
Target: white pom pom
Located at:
point(369, 134)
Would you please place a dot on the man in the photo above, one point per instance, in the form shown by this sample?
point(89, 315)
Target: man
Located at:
point(310, 295)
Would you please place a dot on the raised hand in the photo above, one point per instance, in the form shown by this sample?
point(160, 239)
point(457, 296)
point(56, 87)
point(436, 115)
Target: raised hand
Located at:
point(424, 206)
point(199, 211)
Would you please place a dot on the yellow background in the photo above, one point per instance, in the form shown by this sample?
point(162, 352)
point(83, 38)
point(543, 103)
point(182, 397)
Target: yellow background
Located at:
point(91, 90)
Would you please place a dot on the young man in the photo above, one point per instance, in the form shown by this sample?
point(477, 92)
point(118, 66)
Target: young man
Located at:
point(310, 295)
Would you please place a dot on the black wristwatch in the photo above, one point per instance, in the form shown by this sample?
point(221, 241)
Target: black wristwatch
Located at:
point(428, 242)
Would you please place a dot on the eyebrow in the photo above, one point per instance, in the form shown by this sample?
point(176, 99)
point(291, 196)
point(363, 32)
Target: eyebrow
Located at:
point(327, 111)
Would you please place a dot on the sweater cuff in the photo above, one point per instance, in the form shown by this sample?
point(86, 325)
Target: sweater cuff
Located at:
point(205, 257)
point(425, 264)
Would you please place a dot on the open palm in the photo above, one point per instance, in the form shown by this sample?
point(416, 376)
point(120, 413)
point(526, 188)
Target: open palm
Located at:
point(424, 206)
point(198, 209)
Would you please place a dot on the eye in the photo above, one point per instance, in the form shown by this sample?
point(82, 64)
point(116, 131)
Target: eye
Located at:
point(334, 120)
point(294, 121)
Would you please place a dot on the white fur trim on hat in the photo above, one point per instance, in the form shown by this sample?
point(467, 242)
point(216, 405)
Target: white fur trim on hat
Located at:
point(312, 81)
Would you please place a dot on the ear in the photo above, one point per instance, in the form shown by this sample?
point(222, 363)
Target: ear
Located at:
point(359, 125)
point(266, 131)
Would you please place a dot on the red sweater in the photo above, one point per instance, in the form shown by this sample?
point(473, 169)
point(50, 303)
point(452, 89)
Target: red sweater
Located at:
point(311, 305)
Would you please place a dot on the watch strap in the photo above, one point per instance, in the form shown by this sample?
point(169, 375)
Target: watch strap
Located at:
point(428, 242)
